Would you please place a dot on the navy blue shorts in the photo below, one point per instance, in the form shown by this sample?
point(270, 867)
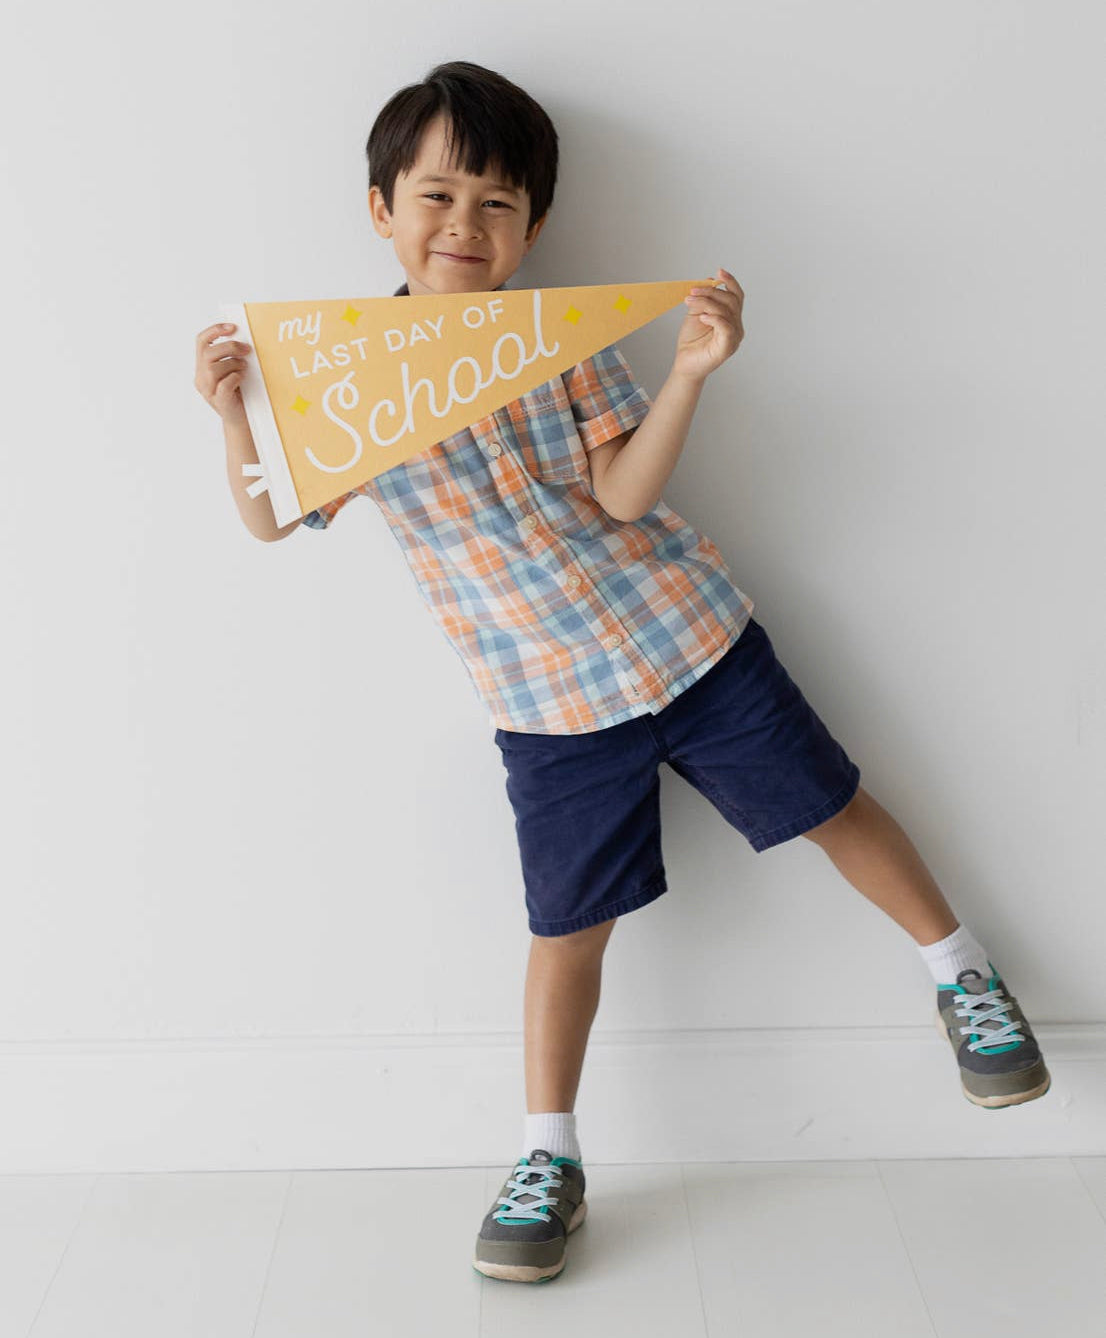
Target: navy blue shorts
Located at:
point(587, 806)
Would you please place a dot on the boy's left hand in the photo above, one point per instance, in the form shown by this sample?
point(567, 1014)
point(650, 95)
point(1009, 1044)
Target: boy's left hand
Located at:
point(712, 330)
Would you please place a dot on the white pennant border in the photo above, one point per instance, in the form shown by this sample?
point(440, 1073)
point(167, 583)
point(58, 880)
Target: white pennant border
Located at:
point(273, 473)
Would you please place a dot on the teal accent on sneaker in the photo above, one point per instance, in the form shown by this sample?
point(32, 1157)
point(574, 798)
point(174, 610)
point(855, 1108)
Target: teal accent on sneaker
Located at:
point(1004, 1025)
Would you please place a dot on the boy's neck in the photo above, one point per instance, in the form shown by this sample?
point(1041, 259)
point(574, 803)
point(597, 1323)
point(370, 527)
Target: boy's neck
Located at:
point(404, 291)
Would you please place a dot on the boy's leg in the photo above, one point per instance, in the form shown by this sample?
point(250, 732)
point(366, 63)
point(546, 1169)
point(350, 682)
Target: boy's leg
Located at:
point(1000, 1061)
point(522, 1237)
point(877, 857)
point(562, 995)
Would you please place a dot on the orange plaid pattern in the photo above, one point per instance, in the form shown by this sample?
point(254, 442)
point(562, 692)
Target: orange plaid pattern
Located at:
point(566, 619)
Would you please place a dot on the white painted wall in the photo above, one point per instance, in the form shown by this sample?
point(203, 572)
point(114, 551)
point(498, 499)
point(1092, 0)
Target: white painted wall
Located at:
point(903, 466)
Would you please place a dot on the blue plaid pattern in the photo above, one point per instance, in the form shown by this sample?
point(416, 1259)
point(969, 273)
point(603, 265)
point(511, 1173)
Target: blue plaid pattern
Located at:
point(566, 619)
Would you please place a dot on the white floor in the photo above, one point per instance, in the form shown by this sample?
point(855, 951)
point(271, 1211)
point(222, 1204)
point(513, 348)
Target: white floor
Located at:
point(890, 1249)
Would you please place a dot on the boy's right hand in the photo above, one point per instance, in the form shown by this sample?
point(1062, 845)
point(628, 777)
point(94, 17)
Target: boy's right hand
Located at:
point(219, 372)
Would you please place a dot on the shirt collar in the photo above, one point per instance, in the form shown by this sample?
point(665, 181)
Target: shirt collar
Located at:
point(404, 291)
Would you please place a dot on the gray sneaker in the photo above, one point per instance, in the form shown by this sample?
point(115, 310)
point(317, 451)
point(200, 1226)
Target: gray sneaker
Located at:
point(522, 1238)
point(1000, 1062)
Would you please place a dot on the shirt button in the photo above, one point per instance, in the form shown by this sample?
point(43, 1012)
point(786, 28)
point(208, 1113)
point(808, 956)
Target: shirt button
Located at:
point(494, 448)
point(572, 581)
point(613, 642)
point(529, 521)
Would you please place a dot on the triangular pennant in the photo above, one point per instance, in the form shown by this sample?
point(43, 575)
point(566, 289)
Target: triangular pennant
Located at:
point(339, 390)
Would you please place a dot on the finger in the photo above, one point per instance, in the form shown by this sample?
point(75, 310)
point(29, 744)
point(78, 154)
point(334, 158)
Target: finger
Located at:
point(731, 283)
point(728, 292)
point(233, 348)
point(216, 373)
point(714, 301)
point(227, 385)
point(213, 332)
point(725, 292)
point(226, 366)
point(720, 324)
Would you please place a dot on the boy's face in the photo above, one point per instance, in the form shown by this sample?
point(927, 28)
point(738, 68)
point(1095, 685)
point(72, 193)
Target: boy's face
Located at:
point(457, 234)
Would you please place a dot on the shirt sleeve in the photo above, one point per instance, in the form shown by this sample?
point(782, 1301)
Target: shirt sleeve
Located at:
point(321, 517)
point(606, 400)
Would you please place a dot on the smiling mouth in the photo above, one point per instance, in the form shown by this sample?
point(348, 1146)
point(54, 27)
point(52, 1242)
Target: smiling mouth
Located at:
point(467, 259)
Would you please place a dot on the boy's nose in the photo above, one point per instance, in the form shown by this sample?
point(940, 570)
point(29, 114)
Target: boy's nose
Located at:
point(465, 224)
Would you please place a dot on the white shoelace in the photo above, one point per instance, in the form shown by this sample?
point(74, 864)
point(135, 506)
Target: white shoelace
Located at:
point(547, 1178)
point(989, 1007)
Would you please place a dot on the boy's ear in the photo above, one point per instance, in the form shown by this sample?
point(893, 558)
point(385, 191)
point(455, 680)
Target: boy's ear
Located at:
point(535, 228)
point(382, 219)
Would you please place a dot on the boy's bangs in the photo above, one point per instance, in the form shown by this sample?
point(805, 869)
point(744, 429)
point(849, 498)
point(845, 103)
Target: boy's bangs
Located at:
point(479, 150)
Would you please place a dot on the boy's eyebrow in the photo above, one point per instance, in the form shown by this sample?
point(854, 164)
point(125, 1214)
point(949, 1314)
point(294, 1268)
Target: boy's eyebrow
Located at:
point(495, 185)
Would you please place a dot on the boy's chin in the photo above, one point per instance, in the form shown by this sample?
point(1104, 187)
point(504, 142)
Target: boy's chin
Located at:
point(444, 278)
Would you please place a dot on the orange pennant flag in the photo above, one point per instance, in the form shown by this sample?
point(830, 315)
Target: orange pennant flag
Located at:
point(341, 390)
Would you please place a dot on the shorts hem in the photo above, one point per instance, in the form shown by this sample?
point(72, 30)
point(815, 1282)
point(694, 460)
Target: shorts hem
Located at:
point(812, 819)
point(650, 892)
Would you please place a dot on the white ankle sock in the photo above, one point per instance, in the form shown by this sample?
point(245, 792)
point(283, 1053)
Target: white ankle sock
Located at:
point(553, 1130)
point(949, 956)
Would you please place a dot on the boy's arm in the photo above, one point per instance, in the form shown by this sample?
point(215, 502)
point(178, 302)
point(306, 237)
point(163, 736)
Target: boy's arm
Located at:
point(256, 512)
point(628, 473)
point(629, 476)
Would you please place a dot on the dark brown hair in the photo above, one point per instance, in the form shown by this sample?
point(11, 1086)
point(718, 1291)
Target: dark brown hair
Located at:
point(490, 121)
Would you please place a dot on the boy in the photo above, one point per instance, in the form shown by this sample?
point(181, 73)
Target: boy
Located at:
point(606, 635)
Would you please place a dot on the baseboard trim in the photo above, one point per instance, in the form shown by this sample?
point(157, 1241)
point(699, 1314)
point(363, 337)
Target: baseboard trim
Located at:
point(457, 1100)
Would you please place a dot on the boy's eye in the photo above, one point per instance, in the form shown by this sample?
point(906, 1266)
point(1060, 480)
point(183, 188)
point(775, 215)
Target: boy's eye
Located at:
point(440, 195)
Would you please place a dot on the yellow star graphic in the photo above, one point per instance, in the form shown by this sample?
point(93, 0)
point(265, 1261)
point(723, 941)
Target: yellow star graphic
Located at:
point(623, 303)
point(573, 315)
point(300, 404)
point(351, 314)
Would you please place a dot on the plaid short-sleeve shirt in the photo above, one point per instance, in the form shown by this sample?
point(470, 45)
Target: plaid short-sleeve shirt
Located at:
point(566, 619)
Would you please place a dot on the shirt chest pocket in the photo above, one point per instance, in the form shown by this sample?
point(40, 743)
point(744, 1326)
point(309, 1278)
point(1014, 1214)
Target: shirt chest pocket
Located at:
point(542, 434)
